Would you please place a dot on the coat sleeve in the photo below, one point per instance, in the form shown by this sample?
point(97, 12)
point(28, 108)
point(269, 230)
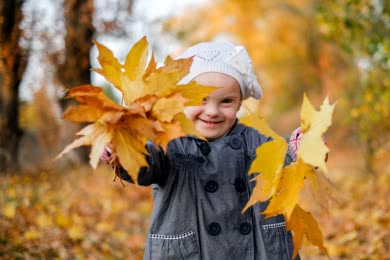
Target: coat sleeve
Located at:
point(289, 156)
point(156, 172)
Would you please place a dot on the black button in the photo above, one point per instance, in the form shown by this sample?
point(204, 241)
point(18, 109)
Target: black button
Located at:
point(245, 228)
point(211, 186)
point(214, 228)
point(235, 143)
point(239, 184)
point(205, 148)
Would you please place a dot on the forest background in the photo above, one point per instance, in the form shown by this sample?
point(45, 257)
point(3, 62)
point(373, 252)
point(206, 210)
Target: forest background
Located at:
point(64, 209)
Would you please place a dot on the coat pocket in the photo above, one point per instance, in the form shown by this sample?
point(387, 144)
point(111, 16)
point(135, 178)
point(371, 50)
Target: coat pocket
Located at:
point(278, 242)
point(181, 246)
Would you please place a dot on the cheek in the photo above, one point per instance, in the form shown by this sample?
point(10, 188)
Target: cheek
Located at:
point(192, 112)
point(231, 113)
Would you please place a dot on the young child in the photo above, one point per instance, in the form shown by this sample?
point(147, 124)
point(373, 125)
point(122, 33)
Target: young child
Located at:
point(200, 188)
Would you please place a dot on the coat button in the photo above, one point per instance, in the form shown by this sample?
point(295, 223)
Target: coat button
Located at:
point(235, 143)
point(211, 186)
point(245, 228)
point(239, 184)
point(214, 228)
point(204, 148)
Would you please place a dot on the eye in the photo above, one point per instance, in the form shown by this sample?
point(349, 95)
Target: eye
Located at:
point(227, 100)
point(204, 101)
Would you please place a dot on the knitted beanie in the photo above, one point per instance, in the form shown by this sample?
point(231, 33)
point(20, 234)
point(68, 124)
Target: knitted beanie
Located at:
point(224, 58)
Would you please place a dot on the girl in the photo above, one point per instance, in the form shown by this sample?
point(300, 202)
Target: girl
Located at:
point(200, 188)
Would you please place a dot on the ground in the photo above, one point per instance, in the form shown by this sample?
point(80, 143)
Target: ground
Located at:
point(82, 214)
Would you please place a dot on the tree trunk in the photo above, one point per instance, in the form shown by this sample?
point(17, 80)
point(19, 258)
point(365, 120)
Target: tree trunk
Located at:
point(74, 70)
point(13, 63)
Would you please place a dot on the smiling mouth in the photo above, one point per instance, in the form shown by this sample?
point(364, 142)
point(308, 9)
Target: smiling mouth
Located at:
point(211, 122)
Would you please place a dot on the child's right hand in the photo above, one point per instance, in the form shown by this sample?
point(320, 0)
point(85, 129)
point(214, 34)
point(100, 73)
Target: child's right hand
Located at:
point(108, 155)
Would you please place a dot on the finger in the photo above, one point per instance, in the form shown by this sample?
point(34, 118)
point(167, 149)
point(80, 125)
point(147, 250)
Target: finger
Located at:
point(108, 150)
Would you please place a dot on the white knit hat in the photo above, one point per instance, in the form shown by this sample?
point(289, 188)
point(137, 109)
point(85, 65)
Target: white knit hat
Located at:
point(224, 58)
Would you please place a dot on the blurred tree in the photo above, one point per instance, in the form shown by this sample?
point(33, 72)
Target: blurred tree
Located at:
point(72, 63)
point(12, 66)
point(73, 69)
point(361, 29)
point(281, 38)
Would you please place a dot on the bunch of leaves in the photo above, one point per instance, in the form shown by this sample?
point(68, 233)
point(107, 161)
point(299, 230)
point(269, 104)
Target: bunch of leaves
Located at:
point(151, 109)
point(284, 186)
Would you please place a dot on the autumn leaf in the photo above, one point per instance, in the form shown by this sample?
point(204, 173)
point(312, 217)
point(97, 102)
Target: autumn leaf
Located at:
point(282, 187)
point(83, 113)
point(303, 224)
point(268, 162)
point(256, 121)
point(130, 151)
point(136, 59)
point(312, 149)
point(287, 195)
point(152, 107)
point(166, 108)
point(111, 68)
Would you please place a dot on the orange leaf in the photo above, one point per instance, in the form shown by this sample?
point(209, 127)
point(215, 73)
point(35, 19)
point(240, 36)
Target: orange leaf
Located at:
point(83, 113)
point(302, 223)
point(152, 109)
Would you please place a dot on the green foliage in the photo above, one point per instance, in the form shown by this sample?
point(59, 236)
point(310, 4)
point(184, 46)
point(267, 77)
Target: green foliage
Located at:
point(361, 28)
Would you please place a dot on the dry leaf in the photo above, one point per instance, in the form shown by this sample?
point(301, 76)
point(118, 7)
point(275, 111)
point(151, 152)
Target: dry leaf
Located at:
point(283, 186)
point(152, 106)
point(312, 149)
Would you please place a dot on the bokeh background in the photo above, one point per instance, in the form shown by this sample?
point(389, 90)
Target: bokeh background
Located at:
point(63, 209)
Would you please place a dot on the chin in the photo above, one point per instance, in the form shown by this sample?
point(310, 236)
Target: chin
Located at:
point(211, 136)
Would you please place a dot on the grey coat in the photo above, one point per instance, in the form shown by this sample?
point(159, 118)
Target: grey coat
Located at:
point(200, 189)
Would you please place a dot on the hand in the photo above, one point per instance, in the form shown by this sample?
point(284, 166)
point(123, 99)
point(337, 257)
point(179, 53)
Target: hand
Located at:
point(295, 142)
point(108, 156)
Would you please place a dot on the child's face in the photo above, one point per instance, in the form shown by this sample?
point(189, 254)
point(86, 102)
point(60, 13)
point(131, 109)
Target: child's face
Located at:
point(218, 113)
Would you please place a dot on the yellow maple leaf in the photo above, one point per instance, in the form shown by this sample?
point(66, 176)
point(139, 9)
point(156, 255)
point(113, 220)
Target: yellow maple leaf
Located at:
point(152, 106)
point(318, 193)
point(136, 60)
point(171, 131)
point(289, 187)
point(195, 93)
point(151, 67)
point(268, 162)
point(166, 108)
point(303, 224)
point(312, 149)
point(254, 120)
point(111, 68)
point(283, 186)
point(127, 149)
point(97, 135)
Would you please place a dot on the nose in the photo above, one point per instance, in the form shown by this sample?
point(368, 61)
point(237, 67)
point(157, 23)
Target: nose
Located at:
point(210, 109)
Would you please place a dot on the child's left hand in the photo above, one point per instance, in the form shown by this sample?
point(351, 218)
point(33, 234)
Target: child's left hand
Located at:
point(295, 141)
